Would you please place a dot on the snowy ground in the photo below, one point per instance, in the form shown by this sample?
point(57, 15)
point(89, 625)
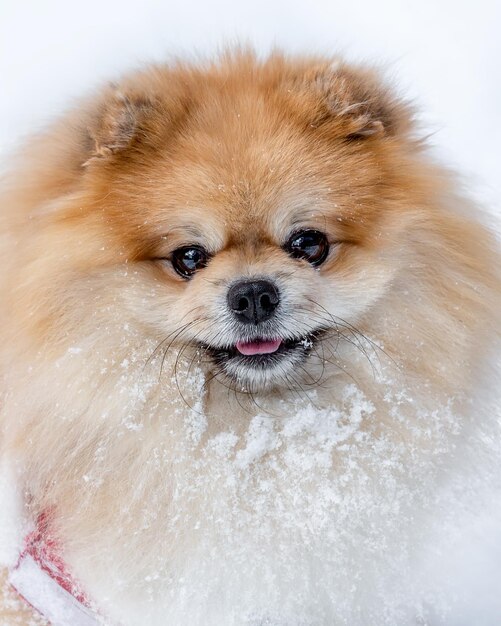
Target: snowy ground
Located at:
point(444, 54)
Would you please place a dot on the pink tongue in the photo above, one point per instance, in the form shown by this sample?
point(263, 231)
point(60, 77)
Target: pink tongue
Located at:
point(258, 347)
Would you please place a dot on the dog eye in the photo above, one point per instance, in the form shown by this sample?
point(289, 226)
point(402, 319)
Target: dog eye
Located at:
point(311, 245)
point(187, 260)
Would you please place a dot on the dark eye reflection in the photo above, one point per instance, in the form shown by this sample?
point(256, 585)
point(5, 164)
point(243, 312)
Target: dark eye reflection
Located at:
point(189, 259)
point(310, 245)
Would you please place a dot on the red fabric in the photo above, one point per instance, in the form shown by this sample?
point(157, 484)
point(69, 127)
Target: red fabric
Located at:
point(42, 546)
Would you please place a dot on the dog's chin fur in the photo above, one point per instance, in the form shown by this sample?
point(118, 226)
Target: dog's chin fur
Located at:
point(190, 488)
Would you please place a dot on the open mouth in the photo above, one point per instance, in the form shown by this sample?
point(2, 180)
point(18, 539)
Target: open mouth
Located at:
point(262, 362)
point(261, 353)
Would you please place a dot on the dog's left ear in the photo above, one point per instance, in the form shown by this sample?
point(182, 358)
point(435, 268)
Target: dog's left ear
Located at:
point(358, 100)
point(118, 123)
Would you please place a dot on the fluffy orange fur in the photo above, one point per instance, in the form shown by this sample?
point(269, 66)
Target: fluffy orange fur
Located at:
point(232, 155)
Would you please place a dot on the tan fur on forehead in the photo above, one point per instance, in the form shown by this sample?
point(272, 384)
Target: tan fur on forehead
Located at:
point(227, 137)
point(242, 93)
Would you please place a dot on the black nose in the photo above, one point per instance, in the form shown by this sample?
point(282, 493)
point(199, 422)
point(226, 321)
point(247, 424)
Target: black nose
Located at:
point(253, 301)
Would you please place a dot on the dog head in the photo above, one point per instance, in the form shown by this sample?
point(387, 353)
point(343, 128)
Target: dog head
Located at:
point(254, 211)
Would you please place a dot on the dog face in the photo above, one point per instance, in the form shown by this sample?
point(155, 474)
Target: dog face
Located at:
point(262, 205)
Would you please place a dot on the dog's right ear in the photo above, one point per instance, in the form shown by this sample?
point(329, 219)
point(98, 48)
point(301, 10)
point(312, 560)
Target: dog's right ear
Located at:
point(356, 99)
point(118, 124)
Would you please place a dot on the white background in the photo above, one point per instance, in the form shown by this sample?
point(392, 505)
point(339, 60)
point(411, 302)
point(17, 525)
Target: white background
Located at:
point(445, 55)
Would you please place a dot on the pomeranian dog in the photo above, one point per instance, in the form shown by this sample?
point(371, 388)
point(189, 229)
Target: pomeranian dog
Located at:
point(245, 318)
